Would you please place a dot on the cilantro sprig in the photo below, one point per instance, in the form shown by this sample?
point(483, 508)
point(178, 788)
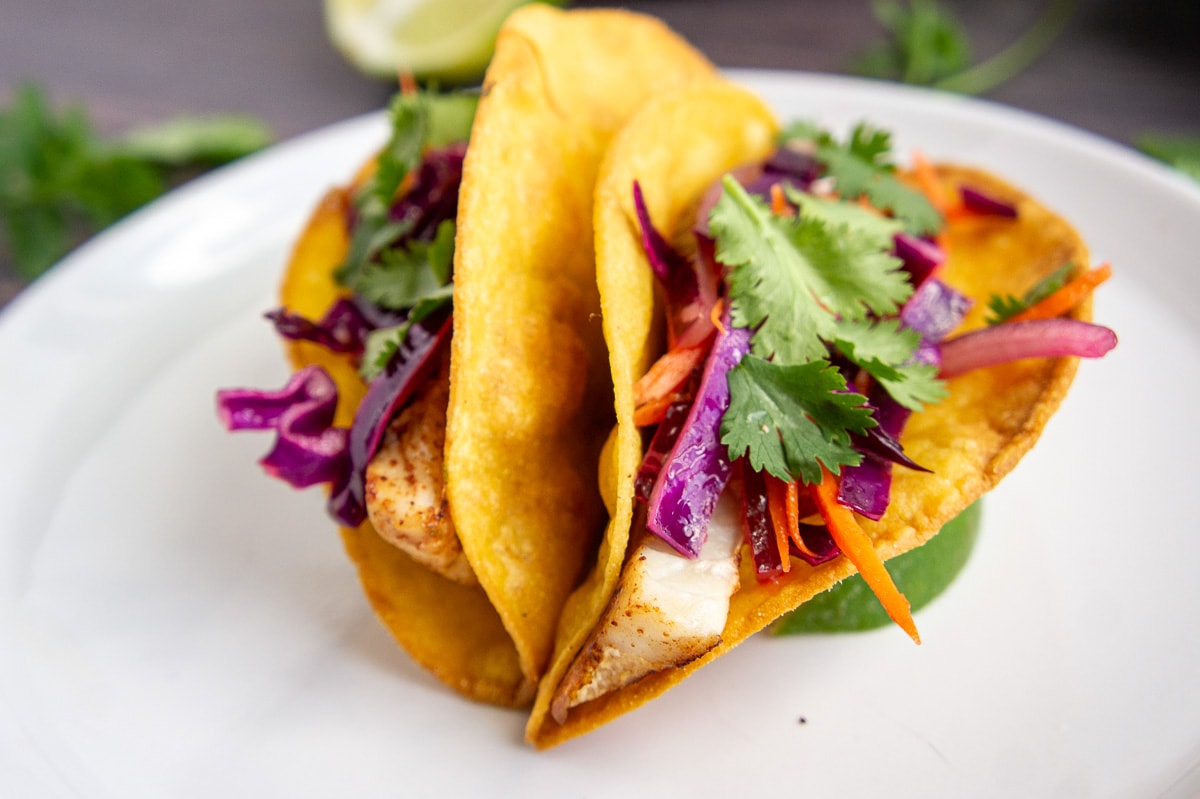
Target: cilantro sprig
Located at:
point(61, 181)
point(794, 280)
point(861, 166)
point(926, 45)
point(1003, 307)
point(384, 264)
point(817, 287)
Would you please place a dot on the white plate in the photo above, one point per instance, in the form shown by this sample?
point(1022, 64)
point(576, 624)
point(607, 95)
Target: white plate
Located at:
point(173, 623)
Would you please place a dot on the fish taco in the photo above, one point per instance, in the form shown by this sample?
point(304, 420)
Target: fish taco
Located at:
point(818, 361)
point(451, 386)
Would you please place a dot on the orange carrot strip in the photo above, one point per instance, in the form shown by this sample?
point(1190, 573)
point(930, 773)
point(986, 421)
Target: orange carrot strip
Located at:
point(718, 310)
point(667, 374)
point(408, 83)
point(793, 518)
point(777, 506)
point(779, 205)
point(928, 181)
point(856, 545)
point(1069, 295)
point(653, 411)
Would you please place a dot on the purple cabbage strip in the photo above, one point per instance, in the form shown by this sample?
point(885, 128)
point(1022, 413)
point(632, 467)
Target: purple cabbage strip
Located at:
point(1013, 341)
point(867, 487)
point(759, 532)
point(934, 311)
point(665, 436)
point(921, 257)
point(697, 469)
point(433, 196)
point(386, 394)
point(820, 544)
point(786, 167)
point(308, 448)
point(676, 273)
point(983, 203)
point(343, 328)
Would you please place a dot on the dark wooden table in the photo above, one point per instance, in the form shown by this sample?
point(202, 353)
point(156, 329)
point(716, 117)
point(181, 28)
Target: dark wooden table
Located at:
point(1121, 67)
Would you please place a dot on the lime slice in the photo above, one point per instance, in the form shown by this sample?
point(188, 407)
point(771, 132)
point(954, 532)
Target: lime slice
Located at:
point(442, 40)
point(922, 574)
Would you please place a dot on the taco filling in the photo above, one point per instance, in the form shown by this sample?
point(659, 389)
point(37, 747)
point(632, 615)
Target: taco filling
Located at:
point(806, 420)
point(392, 322)
point(451, 386)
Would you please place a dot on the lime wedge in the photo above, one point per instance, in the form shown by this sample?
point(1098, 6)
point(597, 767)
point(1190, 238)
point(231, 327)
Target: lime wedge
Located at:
point(441, 40)
point(922, 574)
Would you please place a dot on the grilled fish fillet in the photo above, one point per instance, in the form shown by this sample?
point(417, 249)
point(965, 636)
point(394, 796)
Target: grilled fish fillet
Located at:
point(406, 488)
point(668, 610)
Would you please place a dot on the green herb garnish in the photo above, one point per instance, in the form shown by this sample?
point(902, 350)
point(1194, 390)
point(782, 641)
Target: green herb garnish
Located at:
point(927, 46)
point(862, 167)
point(381, 265)
point(1005, 307)
point(806, 285)
point(60, 181)
point(1181, 152)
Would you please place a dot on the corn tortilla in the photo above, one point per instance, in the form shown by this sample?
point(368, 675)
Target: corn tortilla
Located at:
point(530, 400)
point(970, 440)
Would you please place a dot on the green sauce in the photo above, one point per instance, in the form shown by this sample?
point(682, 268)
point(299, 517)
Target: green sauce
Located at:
point(921, 574)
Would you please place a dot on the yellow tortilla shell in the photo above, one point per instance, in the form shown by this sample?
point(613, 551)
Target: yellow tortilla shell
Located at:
point(970, 440)
point(530, 400)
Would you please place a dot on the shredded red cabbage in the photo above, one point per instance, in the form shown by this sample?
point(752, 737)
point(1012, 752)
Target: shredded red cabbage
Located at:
point(866, 488)
point(690, 295)
point(433, 196)
point(983, 203)
point(412, 362)
point(697, 469)
point(308, 449)
point(934, 310)
point(1013, 341)
point(818, 542)
point(665, 436)
point(758, 531)
point(921, 257)
point(343, 328)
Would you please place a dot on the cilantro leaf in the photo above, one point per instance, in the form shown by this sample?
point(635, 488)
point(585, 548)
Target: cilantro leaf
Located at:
point(1005, 307)
point(789, 420)
point(418, 121)
point(792, 278)
point(382, 344)
point(402, 276)
point(860, 168)
point(1181, 152)
point(60, 181)
point(924, 44)
point(196, 140)
point(885, 350)
point(861, 222)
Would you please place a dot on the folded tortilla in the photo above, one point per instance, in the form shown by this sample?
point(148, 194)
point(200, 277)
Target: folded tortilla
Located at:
point(676, 147)
point(530, 401)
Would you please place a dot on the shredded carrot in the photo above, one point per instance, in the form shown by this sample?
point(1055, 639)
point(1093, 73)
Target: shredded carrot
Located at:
point(927, 180)
point(718, 310)
point(1067, 296)
point(792, 506)
point(777, 505)
point(408, 83)
point(779, 204)
point(654, 411)
point(856, 545)
point(667, 374)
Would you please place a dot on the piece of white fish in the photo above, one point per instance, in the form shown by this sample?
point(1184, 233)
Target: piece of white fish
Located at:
point(668, 610)
point(405, 487)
